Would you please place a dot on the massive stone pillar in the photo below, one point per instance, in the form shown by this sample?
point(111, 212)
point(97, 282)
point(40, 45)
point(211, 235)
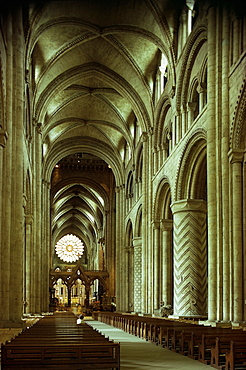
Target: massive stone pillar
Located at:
point(137, 244)
point(156, 263)
point(4, 230)
point(46, 244)
point(225, 124)
point(145, 268)
point(17, 190)
point(211, 169)
point(120, 293)
point(28, 268)
point(167, 262)
point(6, 210)
point(190, 262)
point(236, 159)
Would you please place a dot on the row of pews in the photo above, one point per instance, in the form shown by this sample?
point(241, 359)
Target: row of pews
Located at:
point(58, 342)
point(221, 348)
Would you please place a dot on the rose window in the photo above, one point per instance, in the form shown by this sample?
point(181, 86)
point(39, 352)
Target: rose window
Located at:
point(69, 248)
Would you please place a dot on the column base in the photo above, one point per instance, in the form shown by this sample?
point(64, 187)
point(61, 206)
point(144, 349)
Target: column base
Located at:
point(217, 324)
point(186, 317)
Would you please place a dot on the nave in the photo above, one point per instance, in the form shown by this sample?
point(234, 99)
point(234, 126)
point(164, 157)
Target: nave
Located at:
point(63, 343)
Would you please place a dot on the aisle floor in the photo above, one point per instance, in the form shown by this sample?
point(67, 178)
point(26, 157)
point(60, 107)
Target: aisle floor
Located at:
point(137, 354)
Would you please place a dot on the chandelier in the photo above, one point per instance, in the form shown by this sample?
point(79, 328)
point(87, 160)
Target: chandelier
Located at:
point(69, 248)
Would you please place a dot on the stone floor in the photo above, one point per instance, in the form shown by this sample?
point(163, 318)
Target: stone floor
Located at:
point(137, 354)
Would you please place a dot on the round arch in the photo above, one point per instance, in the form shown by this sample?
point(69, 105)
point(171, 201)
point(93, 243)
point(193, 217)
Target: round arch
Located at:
point(192, 170)
point(91, 145)
point(162, 201)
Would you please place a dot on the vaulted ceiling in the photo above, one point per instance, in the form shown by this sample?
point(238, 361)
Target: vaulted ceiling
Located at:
point(92, 67)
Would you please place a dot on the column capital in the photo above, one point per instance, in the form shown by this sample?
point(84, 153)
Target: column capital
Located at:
point(127, 248)
point(191, 106)
point(156, 224)
point(166, 225)
point(3, 137)
point(119, 188)
point(46, 183)
point(236, 155)
point(137, 241)
point(28, 219)
point(194, 205)
point(144, 137)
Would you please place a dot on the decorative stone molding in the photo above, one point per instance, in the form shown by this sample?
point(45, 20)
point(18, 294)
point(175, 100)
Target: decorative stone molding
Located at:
point(238, 118)
point(198, 37)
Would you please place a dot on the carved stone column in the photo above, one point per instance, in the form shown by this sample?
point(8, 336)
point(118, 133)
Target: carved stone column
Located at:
point(190, 257)
point(137, 244)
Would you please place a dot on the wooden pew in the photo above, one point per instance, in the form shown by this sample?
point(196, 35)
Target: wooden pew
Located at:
point(65, 356)
point(236, 356)
point(212, 349)
point(218, 353)
point(60, 343)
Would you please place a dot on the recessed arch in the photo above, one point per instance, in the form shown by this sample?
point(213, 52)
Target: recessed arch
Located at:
point(192, 172)
point(162, 201)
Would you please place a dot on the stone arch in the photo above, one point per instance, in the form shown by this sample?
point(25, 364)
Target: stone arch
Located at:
point(139, 171)
point(193, 98)
point(161, 114)
point(129, 266)
point(197, 39)
point(163, 229)
point(129, 233)
point(75, 145)
point(190, 230)
point(192, 171)
point(237, 200)
point(129, 185)
point(162, 201)
point(238, 126)
point(102, 73)
point(138, 223)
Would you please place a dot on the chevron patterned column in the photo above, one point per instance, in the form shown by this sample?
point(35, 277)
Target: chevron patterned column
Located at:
point(190, 257)
point(137, 243)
